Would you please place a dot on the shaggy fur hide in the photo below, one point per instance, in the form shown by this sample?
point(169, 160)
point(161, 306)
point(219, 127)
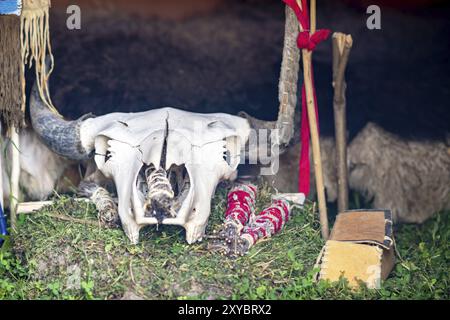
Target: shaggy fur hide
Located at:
point(286, 180)
point(412, 178)
point(41, 169)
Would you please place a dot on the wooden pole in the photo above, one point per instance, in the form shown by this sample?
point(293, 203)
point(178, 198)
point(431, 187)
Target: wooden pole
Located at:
point(342, 45)
point(15, 176)
point(313, 16)
point(317, 159)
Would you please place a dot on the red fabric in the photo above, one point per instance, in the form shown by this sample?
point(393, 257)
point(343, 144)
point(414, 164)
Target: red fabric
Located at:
point(269, 222)
point(306, 41)
point(302, 15)
point(241, 202)
point(305, 134)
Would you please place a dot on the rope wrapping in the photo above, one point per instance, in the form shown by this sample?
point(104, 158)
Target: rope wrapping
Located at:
point(106, 207)
point(159, 186)
point(108, 213)
point(159, 199)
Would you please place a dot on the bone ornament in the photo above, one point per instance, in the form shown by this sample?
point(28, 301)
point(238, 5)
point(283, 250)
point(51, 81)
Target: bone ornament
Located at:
point(104, 203)
point(243, 228)
point(268, 223)
point(240, 208)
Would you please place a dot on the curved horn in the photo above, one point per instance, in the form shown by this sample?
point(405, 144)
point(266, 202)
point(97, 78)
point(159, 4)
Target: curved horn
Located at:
point(61, 136)
point(287, 86)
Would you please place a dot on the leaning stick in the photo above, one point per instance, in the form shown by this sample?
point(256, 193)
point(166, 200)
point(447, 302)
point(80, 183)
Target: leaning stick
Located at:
point(15, 176)
point(307, 74)
point(342, 45)
point(312, 13)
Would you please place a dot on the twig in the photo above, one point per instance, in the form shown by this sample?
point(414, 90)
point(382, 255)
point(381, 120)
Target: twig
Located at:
point(131, 271)
point(317, 158)
point(342, 45)
point(15, 176)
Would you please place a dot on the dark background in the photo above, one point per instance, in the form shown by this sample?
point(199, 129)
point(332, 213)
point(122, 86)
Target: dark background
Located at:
point(224, 56)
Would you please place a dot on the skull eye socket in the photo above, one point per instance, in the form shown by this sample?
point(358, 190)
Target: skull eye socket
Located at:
point(107, 155)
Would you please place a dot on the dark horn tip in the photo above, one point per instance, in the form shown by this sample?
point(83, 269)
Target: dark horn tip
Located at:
point(61, 136)
point(86, 116)
point(257, 123)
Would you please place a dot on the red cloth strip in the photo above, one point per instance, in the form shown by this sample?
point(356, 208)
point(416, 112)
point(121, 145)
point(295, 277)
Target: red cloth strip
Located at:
point(306, 41)
point(269, 222)
point(241, 203)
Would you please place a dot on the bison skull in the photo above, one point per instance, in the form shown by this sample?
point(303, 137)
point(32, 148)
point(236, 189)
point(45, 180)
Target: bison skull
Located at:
point(194, 152)
point(167, 150)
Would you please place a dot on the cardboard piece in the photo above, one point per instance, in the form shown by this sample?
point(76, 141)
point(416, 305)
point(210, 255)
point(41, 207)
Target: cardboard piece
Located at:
point(364, 226)
point(361, 248)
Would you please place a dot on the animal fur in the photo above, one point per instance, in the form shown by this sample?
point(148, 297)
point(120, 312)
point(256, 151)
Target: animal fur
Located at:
point(412, 178)
point(41, 170)
point(286, 181)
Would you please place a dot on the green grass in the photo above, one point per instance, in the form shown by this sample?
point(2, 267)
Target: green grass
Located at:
point(53, 259)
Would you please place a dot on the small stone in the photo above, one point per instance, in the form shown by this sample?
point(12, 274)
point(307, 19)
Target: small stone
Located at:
point(130, 295)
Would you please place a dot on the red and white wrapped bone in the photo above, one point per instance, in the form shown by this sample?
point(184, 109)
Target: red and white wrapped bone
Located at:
point(241, 204)
point(268, 223)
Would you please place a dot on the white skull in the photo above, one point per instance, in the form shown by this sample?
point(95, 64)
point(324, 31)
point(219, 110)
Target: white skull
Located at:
point(201, 150)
